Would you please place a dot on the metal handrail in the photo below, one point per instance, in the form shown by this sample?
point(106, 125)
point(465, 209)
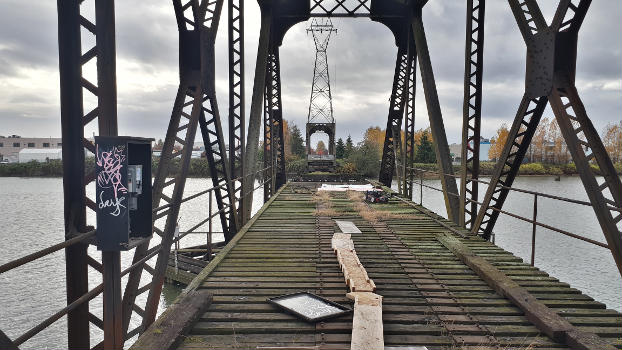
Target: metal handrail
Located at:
point(99, 289)
point(533, 220)
point(45, 251)
point(198, 194)
point(545, 195)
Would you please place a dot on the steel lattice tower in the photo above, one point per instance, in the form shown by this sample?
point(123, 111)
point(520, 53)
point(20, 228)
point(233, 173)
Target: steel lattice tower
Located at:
point(320, 117)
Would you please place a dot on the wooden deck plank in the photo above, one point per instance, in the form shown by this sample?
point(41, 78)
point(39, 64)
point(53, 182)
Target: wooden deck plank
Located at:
point(430, 297)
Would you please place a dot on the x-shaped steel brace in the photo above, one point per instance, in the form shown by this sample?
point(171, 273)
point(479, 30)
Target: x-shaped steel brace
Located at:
point(550, 77)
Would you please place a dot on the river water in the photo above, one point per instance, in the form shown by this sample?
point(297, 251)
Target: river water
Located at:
point(583, 265)
point(32, 219)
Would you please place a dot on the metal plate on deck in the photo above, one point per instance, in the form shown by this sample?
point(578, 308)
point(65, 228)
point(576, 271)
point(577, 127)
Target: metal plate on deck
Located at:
point(347, 226)
point(308, 306)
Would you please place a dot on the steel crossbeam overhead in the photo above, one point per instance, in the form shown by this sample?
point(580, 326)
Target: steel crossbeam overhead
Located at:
point(399, 96)
point(195, 104)
point(340, 8)
point(73, 86)
point(472, 111)
point(237, 132)
point(551, 70)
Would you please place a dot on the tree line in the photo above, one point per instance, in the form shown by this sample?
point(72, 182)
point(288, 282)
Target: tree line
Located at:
point(548, 145)
point(362, 158)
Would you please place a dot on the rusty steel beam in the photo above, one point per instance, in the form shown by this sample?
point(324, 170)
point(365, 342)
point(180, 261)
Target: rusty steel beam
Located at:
point(237, 105)
point(268, 149)
point(443, 158)
point(254, 122)
point(73, 120)
point(408, 156)
point(550, 77)
point(472, 111)
point(505, 171)
point(274, 108)
point(399, 94)
point(74, 193)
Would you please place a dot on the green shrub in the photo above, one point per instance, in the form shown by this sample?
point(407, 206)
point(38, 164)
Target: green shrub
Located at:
point(298, 166)
point(569, 169)
point(532, 169)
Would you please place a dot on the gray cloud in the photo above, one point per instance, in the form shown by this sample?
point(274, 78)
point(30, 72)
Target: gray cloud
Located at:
point(361, 59)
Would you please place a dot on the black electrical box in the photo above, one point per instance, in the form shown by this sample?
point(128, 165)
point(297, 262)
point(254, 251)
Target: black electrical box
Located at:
point(123, 191)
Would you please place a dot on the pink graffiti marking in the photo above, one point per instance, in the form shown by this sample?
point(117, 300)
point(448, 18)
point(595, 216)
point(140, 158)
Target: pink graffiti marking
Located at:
point(111, 163)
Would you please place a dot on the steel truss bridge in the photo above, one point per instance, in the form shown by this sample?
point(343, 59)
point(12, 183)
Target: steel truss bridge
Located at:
point(551, 50)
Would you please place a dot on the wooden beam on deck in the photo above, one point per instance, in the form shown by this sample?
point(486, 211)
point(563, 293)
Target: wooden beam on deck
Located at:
point(544, 318)
point(169, 330)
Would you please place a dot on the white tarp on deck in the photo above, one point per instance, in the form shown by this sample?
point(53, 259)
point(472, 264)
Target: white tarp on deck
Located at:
point(343, 188)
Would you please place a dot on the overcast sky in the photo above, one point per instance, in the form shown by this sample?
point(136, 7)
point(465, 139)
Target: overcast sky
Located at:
point(361, 60)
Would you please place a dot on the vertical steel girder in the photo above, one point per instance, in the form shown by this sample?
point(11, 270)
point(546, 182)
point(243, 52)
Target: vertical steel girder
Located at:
point(408, 155)
point(472, 111)
point(254, 122)
point(443, 158)
point(73, 120)
point(274, 143)
point(195, 104)
point(268, 150)
point(551, 69)
point(399, 94)
point(237, 130)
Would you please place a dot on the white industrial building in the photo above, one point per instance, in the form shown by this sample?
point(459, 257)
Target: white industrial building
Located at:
point(39, 154)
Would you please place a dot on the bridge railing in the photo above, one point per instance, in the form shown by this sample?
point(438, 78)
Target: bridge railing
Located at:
point(88, 237)
point(534, 218)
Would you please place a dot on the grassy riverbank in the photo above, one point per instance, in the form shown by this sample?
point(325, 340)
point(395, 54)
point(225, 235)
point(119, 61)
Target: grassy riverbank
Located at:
point(527, 169)
point(200, 168)
point(54, 168)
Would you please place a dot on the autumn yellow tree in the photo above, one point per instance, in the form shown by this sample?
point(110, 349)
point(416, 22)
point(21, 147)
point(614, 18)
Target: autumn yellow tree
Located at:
point(612, 139)
point(375, 136)
point(560, 151)
point(537, 148)
point(498, 142)
point(287, 139)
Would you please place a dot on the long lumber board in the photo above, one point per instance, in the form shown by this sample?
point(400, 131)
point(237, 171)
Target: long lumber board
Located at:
point(367, 327)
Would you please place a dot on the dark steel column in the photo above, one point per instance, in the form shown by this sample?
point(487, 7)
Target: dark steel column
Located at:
point(399, 93)
point(443, 158)
point(74, 193)
point(408, 156)
point(268, 149)
point(276, 108)
point(472, 111)
point(237, 131)
point(254, 122)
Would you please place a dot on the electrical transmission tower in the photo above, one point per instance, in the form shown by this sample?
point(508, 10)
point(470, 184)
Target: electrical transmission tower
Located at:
point(320, 118)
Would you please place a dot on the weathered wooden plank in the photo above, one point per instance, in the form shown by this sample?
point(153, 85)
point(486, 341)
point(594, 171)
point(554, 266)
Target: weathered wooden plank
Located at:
point(367, 327)
point(168, 331)
point(536, 311)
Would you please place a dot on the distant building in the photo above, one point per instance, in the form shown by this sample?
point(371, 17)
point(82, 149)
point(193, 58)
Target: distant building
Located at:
point(39, 154)
point(10, 146)
point(455, 150)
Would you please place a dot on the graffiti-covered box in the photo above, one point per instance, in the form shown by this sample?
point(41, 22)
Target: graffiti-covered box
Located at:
point(123, 191)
